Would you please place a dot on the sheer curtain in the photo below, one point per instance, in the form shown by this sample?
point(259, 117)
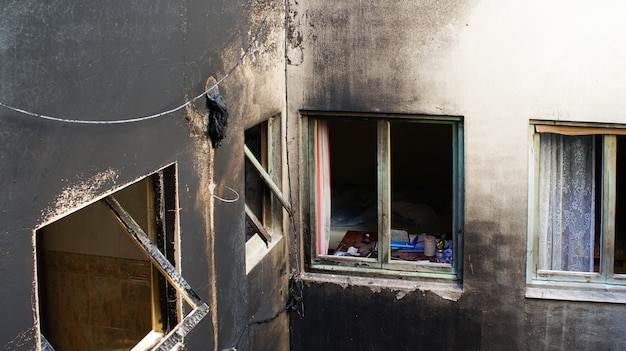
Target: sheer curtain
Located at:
point(322, 186)
point(566, 202)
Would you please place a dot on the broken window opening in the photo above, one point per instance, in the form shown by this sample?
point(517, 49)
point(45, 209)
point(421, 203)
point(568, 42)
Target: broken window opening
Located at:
point(257, 194)
point(261, 189)
point(264, 200)
point(390, 198)
point(104, 286)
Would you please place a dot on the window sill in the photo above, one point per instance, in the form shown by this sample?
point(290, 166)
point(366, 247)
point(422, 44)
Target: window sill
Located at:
point(372, 268)
point(256, 250)
point(449, 290)
point(591, 292)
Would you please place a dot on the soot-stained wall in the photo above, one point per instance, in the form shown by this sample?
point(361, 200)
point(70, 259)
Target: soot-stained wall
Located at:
point(95, 61)
point(494, 64)
point(497, 65)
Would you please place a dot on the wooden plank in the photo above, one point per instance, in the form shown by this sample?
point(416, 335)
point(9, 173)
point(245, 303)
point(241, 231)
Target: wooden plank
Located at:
point(148, 341)
point(384, 191)
point(380, 115)
point(609, 195)
point(268, 180)
point(173, 340)
point(573, 130)
point(152, 252)
point(265, 235)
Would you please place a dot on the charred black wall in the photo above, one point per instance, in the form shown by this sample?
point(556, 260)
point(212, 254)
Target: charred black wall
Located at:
point(110, 61)
point(496, 65)
point(371, 321)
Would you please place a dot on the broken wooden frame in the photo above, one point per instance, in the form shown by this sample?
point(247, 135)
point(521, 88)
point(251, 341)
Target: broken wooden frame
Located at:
point(155, 340)
point(173, 339)
point(268, 180)
point(263, 232)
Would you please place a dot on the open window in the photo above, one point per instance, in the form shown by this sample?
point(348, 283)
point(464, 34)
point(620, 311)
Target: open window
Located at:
point(106, 273)
point(386, 194)
point(259, 219)
point(577, 239)
point(264, 199)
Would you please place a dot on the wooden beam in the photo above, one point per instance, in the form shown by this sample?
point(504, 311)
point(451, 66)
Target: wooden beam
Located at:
point(268, 180)
point(265, 235)
point(171, 341)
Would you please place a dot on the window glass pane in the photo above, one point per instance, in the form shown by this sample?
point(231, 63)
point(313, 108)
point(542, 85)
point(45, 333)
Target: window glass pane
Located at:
point(421, 181)
point(620, 212)
point(567, 202)
point(352, 152)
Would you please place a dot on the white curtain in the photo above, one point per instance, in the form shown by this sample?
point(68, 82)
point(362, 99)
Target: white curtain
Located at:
point(566, 202)
point(322, 186)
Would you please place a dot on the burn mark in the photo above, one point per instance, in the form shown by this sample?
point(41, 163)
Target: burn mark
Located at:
point(294, 38)
point(79, 194)
point(22, 341)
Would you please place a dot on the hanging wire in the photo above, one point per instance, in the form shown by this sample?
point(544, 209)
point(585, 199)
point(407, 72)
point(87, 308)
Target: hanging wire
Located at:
point(160, 114)
point(223, 199)
point(293, 303)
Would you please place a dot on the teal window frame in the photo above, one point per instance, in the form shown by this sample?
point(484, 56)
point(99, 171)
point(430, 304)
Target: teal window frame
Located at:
point(383, 266)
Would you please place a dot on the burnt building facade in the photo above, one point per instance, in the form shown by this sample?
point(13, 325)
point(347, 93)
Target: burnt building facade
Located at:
point(262, 175)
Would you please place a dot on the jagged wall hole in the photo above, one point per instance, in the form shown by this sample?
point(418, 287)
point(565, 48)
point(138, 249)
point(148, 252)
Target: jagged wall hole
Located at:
point(97, 290)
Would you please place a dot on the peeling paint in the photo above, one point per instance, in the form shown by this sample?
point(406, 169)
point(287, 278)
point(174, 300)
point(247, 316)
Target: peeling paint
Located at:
point(266, 48)
point(20, 341)
point(447, 291)
point(375, 287)
point(79, 194)
point(294, 53)
point(400, 295)
point(196, 121)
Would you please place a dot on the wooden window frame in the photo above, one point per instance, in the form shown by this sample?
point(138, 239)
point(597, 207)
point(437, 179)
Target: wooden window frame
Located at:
point(267, 223)
point(602, 286)
point(263, 222)
point(383, 266)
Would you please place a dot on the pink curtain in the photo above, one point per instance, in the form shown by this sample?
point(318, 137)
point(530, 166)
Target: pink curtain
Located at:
point(322, 188)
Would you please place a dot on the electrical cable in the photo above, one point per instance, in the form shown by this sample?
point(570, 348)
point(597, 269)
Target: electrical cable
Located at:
point(226, 200)
point(160, 114)
point(292, 303)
